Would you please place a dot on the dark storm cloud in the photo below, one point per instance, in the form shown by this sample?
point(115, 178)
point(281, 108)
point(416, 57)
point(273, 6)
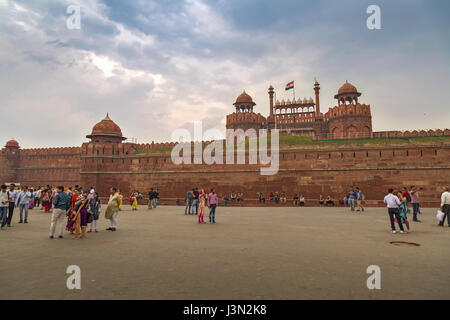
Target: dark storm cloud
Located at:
point(156, 65)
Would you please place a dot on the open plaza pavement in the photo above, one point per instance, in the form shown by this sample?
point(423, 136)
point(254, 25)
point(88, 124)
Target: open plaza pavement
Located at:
point(250, 253)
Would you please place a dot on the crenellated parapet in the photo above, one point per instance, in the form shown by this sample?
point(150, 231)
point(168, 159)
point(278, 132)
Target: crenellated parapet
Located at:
point(411, 134)
point(349, 121)
point(348, 110)
point(245, 120)
point(154, 147)
point(50, 151)
point(244, 117)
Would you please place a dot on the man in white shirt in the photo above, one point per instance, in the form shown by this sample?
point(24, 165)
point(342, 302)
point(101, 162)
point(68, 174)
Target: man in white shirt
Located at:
point(91, 193)
point(37, 197)
point(393, 203)
point(445, 206)
point(4, 206)
point(13, 194)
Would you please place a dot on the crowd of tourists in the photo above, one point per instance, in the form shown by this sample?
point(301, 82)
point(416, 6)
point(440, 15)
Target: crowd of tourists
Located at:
point(398, 202)
point(136, 198)
point(74, 209)
point(197, 199)
point(22, 198)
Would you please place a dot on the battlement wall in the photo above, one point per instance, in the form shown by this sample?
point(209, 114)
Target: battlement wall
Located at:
point(309, 171)
point(50, 151)
point(245, 120)
point(350, 109)
point(41, 166)
point(413, 133)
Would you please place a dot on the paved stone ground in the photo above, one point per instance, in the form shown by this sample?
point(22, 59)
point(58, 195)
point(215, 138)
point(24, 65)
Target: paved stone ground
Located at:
point(251, 253)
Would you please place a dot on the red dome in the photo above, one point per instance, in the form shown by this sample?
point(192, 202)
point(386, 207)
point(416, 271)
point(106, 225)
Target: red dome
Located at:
point(347, 88)
point(244, 98)
point(12, 144)
point(106, 127)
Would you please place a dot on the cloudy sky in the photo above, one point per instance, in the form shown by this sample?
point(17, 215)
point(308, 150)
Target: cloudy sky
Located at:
point(159, 65)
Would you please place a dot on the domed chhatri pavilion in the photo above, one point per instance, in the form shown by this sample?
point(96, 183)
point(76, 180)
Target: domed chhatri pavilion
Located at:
point(106, 131)
point(12, 144)
point(302, 117)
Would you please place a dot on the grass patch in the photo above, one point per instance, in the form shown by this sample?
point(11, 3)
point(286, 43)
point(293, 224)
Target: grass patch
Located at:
point(288, 142)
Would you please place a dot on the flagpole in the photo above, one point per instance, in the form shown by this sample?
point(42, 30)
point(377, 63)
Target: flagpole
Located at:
point(293, 87)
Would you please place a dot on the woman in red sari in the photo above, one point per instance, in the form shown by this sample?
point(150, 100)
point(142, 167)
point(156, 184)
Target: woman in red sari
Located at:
point(78, 218)
point(46, 201)
point(71, 213)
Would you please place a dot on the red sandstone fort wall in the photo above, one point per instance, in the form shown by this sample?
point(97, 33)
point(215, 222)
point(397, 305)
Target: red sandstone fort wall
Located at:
point(309, 170)
point(305, 171)
point(54, 166)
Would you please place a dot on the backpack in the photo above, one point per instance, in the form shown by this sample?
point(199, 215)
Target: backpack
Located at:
point(408, 197)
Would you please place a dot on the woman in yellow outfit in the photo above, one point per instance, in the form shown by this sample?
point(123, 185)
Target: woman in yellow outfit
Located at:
point(121, 200)
point(133, 201)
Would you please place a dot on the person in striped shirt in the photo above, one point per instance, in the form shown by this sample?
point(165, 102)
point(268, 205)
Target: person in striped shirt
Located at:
point(352, 198)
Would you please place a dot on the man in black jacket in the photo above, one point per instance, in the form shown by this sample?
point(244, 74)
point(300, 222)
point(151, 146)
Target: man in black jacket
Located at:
point(150, 198)
point(155, 198)
point(195, 201)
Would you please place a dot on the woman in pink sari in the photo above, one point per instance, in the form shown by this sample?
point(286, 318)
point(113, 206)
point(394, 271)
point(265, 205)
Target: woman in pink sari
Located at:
point(201, 207)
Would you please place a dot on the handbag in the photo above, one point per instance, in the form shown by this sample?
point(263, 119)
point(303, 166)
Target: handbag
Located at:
point(90, 217)
point(440, 215)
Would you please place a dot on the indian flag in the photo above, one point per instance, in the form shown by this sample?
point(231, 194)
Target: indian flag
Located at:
point(290, 85)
